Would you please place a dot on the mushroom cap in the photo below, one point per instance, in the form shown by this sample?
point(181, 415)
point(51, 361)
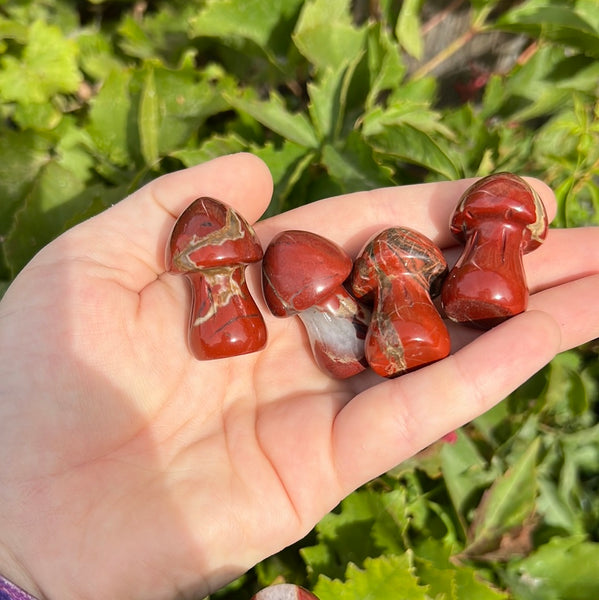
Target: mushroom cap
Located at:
point(300, 269)
point(284, 591)
point(210, 234)
point(502, 198)
point(396, 252)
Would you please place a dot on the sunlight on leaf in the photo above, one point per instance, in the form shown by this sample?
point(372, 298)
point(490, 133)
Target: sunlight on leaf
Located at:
point(380, 579)
point(325, 34)
point(274, 115)
point(48, 66)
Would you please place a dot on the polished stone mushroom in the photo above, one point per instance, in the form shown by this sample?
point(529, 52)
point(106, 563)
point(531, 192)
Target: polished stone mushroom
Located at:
point(399, 270)
point(211, 244)
point(284, 591)
point(498, 219)
point(303, 274)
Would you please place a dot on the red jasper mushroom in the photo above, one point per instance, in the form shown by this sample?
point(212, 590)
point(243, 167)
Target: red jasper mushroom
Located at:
point(499, 219)
point(284, 591)
point(400, 269)
point(211, 244)
point(303, 274)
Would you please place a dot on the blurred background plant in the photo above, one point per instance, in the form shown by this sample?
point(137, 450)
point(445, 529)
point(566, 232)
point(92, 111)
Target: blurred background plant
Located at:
point(99, 97)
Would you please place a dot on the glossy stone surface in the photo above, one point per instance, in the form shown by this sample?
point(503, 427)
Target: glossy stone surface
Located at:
point(399, 269)
point(499, 219)
point(284, 591)
point(303, 274)
point(211, 244)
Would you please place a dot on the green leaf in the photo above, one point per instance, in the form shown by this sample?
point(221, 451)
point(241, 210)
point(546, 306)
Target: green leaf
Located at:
point(470, 585)
point(40, 117)
point(562, 569)
point(183, 99)
point(354, 165)
point(563, 484)
point(149, 119)
point(96, 55)
point(10, 29)
point(587, 9)
point(48, 66)
point(407, 28)
point(22, 155)
point(328, 98)
point(381, 578)
point(465, 472)
point(441, 583)
point(436, 567)
point(391, 525)
point(344, 537)
point(405, 112)
point(566, 393)
point(325, 34)
point(412, 145)
point(57, 195)
point(543, 85)
point(506, 504)
point(407, 128)
point(267, 23)
point(134, 40)
point(275, 115)
point(582, 208)
point(72, 148)
point(212, 147)
point(111, 119)
point(553, 21)
point(385, 64)
point(287, 164)
point(557, 511)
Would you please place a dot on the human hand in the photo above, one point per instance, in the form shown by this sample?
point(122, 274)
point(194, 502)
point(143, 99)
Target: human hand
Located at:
point(131, 470)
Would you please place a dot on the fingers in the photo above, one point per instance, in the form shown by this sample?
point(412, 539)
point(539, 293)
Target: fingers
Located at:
point(563, 278)
point(566, 254)
point(135, 231)
point(390, 422)
point(240, 180)
point(352, 219)
point(574, 307)
point(131, 236)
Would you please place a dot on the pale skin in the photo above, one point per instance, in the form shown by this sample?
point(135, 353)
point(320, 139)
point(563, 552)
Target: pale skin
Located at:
point(130, 470)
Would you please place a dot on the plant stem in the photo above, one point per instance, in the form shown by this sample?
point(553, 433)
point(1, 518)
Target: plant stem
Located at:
point(478, 26)
point(438, 18)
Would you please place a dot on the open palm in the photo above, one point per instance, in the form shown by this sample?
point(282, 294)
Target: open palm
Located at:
point(131, 470)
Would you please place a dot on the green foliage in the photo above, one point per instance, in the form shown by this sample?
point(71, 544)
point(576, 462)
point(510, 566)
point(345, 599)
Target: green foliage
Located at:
point(107, 95)
point(98, 97)
point(509, 510)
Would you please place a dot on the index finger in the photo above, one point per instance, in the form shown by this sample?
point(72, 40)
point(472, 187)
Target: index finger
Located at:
point(130, 237)
point(351, 219)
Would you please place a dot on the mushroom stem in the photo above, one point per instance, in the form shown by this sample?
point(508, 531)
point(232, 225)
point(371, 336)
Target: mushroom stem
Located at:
point(406, 331)
point(225, 320)
point(336, 328)
point(487, 285)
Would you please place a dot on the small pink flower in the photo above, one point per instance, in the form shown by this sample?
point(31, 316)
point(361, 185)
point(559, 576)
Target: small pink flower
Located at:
point(450, 438)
